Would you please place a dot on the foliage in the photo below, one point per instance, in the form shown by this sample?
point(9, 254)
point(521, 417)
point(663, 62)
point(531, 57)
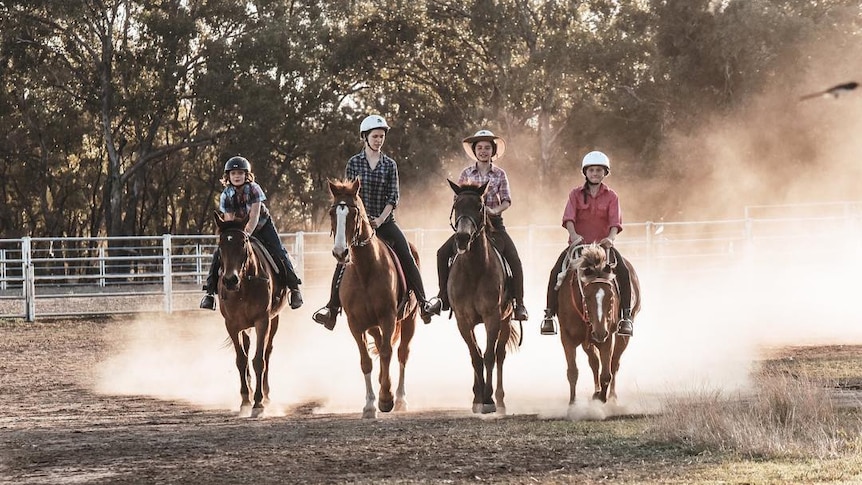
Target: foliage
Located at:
point(117, 115)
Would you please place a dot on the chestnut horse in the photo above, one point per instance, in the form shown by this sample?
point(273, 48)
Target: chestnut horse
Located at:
point(589, 315)
point(477, 294)
point(250, 296)
point(370, 290)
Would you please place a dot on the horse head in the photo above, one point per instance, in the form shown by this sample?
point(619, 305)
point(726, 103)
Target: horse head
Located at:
point(599, 298)
point(234, 250)
point(468, 218)
point(349, 222)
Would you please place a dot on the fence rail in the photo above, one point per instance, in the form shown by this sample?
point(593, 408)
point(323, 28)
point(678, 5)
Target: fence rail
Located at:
point(65, 276)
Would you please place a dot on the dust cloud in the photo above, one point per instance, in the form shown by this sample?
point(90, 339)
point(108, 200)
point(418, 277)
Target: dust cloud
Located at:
point(700, 327)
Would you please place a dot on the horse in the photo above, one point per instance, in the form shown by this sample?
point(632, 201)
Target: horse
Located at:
point(477, 294)
point(370, 292)
point(589, 314)
point(250, 296)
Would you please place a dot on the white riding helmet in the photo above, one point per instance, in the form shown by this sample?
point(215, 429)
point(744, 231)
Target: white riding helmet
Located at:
point(484, 135)
point(372, 122)
point(596, 158)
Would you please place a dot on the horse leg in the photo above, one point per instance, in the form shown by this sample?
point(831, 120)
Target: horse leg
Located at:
point(273, 328)
point(593, 357)
point(408, 328)
point(620, 345)
point(502, 341)
point(241, 345)
point(384, 349)
point(369, 411)
point(261, 329)
point(605, 353)
point(478, 370)
point(493, 331)
point(569, 349)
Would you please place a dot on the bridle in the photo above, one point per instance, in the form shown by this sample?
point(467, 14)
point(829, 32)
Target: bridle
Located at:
point(245, 242)
point(480, 228)
point(584, 313)
point(357, 229)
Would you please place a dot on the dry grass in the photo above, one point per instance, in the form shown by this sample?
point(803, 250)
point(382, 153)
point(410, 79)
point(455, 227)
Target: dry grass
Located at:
point(784, 415)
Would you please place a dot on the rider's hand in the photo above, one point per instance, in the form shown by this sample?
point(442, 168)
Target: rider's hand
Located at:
point(576, 240)
point(607, 243)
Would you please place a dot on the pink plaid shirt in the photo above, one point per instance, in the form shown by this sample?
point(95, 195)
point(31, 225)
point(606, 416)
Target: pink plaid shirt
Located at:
point(498, 184)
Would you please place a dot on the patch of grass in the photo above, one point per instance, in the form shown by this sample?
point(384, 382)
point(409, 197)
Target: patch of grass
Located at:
point(784, 415)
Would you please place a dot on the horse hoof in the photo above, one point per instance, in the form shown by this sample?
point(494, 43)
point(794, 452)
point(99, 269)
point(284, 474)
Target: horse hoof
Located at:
point(257, 412)
point(489, 408)
point(501, 410)
point(400, 406)
point(477, 408)
point(369, 413)
point(386, 406)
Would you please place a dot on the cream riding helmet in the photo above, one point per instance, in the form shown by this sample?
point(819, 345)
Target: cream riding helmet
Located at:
point(372, 122)
point(469, 144)
point(596, 159)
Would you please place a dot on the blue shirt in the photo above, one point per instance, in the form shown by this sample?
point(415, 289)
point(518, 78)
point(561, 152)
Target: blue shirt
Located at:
point(380, 186)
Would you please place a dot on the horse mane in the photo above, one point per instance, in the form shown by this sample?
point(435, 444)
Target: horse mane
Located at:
point(592, 263)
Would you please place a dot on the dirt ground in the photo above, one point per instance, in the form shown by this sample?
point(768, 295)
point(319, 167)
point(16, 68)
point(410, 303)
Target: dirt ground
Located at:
point(58, 428)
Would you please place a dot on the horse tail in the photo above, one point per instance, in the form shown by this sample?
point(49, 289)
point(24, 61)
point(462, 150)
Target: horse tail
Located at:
point(515, 336)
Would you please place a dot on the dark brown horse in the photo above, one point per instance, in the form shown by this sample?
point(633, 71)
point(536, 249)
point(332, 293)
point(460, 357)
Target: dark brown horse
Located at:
point(589, 316)
point(477, 294)
point(370, 292)
point(250, 296)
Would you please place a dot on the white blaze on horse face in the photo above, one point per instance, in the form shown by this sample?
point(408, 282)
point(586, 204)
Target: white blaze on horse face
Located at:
point(600, 298)
point(340, 229)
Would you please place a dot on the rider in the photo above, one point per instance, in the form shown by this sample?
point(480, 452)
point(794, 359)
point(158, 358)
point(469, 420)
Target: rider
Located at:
point(242, 197)
point(593, 215)
point(380, 194)
point(484, 148)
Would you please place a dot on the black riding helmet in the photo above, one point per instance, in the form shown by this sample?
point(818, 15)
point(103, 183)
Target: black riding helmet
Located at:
point(237, 163)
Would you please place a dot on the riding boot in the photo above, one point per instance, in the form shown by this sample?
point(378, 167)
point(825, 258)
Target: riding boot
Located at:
point(549, 324)
point(625, 328)
point(440, 303)
point(208, 302)
point(520, 312)
point(327, 315)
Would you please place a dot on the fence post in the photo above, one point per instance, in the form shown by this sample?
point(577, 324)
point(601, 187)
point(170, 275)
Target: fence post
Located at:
point(167, 276)
point(29, 283)
point(2, 269)
point(299, 254)
point(102, 266)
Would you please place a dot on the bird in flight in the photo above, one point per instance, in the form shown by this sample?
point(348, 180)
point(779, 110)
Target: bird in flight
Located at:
point(834, 91)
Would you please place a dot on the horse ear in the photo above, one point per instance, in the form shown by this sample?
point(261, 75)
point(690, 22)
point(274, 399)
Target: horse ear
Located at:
point(332, 187)
point(483, 188)
point(354, 186)
point(455, 187)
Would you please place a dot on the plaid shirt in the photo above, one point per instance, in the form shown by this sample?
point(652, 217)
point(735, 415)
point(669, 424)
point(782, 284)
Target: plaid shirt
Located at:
point(239, 201)
point(498, 184)
point(380, 186)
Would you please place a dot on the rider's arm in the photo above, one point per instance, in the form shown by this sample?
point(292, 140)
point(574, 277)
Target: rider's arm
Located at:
point(253, 218)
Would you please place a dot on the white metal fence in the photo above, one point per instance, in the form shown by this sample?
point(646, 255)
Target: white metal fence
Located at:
point(80, 276)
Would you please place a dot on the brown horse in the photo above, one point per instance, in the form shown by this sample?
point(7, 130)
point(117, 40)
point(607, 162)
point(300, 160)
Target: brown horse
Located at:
point(370, 292)
point(589, 315)
point(250, 296)
point(477, 294)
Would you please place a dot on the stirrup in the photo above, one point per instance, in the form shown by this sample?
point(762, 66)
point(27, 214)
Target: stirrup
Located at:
point(625, 328)
point(325, 316)
point(549, 324)
point(295, 299)
point(425, 311)
point(435, 305)
point(520, 312)
point(208, 302)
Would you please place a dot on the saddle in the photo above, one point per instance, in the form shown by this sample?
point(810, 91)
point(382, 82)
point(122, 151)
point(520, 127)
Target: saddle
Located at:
point(263, 254)
point(403, 294)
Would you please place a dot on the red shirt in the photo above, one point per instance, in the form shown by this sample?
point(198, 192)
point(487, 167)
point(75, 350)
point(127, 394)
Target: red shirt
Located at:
point(593, 218)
